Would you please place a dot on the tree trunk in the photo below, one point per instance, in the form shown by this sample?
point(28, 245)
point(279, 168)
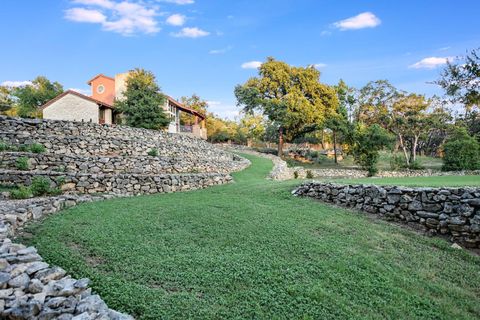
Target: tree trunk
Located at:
point(280, 142)
point(249, 143)
point(413, 152)
point(404, 149)
point(335, 146)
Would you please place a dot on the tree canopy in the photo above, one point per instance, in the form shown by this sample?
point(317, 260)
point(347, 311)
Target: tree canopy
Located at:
point(292, 97)
point(31, 97)
point(142, 102)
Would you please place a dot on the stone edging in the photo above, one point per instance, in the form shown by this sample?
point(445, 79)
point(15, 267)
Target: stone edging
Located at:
point(29, 287)
point(454, 212)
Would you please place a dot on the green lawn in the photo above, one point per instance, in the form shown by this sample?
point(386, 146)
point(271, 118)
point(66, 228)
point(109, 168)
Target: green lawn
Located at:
point(383, 162)
point(435, 181)
point(250, 250)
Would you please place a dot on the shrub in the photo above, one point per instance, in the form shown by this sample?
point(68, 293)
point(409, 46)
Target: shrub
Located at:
point(461, 153)
point(309, 174)
point(4, 146)
point(295, 174)
point(40, 186)
point(21, 163)
point(37, 148)
point(23, 147)
point(21, 193)
point(397, 162)
point(153, 152)
point(416, 165)
point(368, 141)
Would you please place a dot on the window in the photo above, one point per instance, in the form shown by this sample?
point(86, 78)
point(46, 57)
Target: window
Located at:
point(101, 89)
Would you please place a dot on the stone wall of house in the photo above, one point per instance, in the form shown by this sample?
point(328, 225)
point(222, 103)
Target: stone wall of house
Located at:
point(73, 108)
point(454, 212)
point(116, 165)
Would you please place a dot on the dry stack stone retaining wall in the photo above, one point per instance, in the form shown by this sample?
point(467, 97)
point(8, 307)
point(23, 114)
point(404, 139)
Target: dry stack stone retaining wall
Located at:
point(94, 162)
point(447, 211)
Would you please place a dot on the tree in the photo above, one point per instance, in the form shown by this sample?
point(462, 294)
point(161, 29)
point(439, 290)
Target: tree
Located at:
point(142, 104)
point(32, 96)
point(461, 80)
point(251, 127)
point(375, 101)
point(367, 142)
point(193, 102)
point(6, 99)
point(408, 120)
point(291, 97)
point(220, 130)
point(338, 122)
point(461, 152)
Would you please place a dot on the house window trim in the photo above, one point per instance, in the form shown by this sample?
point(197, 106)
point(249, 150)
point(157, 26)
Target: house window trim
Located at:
point(100, 89)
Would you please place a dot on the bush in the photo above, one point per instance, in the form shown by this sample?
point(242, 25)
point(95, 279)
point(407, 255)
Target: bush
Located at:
point(368, 141)
point(40, 186)
point(23, 148)
point(295, 174)
point(21, 193)
point(22, 163)
point(416, 165)
point(4, 146)
point(309, 174)
point(37, 148)
point(461, 154)
point(153, 152)
point(397, 162)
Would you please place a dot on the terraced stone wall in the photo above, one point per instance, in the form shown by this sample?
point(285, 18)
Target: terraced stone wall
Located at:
point(454, 212)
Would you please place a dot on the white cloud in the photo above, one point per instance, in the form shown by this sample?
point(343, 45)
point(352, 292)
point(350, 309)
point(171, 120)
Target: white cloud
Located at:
point(251, 65)
point(180, 2)
point(363, 20)
point(325, 33)
point(176, 20)
point(15, 84)
point(124, 17)
point(220, 51)
point(320, 65)
point(431, 62)
point(100, 3)
point(86, 92)
point(213, 103)
point(85, 15)
point(191, 33)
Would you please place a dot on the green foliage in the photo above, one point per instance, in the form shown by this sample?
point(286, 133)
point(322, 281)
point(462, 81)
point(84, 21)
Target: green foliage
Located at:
point(21, 192)
point(4, 146)
point(153, 152)
point(299, 258)
point(32, 96)
point(461, 152)
point(193, 102)
point(367, 142)
point(142, 104)
point(309, 174)
point(21, 163)
point(6, 100)
point(460, 80)
point(37, 148)
point(295, 174)
point(397, 162)
point(40, 186)
point(291, 97)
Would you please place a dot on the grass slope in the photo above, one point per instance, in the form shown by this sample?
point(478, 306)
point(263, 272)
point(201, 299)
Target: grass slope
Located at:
point(251, 250)
point(435, 181)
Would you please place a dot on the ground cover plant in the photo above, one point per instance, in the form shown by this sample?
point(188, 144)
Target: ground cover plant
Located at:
point(252, 250)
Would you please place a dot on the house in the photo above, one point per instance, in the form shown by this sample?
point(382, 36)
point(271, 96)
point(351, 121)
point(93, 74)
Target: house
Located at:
point(99, 106)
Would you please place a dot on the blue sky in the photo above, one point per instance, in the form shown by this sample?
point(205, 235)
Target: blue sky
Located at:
point(207, 47)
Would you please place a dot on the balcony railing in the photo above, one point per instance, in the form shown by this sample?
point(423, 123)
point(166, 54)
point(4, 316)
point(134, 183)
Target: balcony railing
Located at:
point(186, 129)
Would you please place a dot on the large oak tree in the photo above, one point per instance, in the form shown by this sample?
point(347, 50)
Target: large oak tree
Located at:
point(291, 97)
